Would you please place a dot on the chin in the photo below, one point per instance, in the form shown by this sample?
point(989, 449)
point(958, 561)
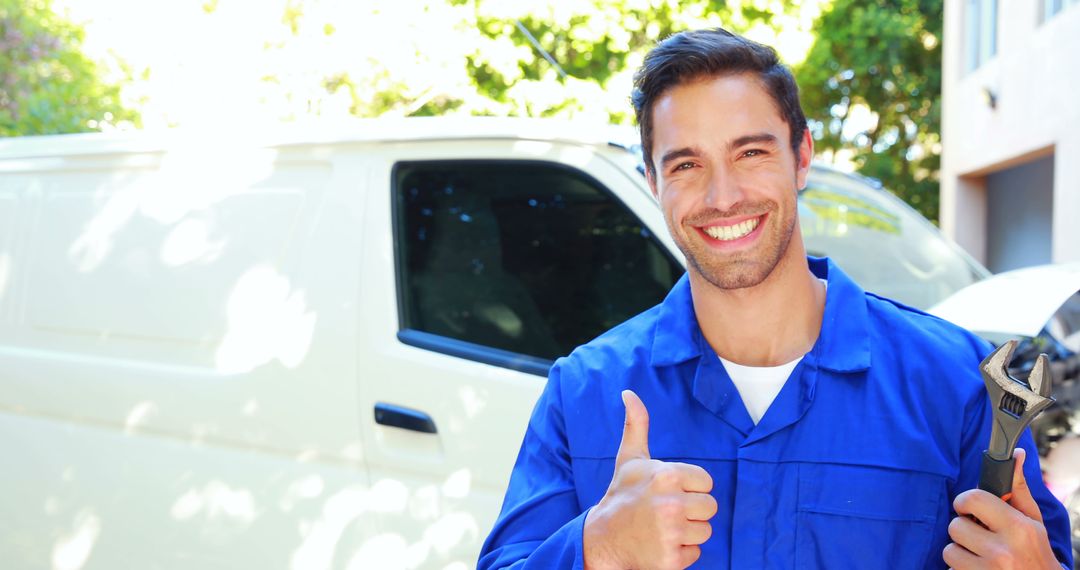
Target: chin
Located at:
point(737, 275)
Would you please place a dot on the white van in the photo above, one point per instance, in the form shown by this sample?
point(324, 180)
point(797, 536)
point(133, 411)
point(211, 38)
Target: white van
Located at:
point(318, 351)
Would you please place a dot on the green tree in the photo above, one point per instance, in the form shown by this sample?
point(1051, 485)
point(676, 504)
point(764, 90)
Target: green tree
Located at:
point(47, 85)
point(594, 46)
point(871, 86)
point(572, 60)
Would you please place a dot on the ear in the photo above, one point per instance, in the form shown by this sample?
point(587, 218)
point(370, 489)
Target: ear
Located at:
point(650, 177)
point(806, 156)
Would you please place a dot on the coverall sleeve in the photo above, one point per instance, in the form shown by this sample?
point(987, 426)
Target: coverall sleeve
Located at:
point(975, 439)
point(541, 522)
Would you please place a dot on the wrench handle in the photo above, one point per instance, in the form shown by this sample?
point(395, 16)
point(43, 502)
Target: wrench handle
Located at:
point(996, 476)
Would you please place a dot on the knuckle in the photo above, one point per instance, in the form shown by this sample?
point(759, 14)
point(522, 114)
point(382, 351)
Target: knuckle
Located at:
point(949, 554)
point(707, 534)
point(955, 526)
point(998, 556)
point(690, 556)
point(962, 502)
point(671, 559)
point(669, 536)
point(666, 477)
point(1034, 532)
point(713, 506)
point(670, 508)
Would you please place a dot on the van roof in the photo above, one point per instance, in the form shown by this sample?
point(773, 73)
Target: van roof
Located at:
point(351, 131)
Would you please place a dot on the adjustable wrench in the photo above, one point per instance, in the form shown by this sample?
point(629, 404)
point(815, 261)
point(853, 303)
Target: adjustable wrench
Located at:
point(1015, 403)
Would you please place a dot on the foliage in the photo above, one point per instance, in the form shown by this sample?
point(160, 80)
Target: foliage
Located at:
point(47, 85)
point(491, 57)
point(872, 80)
point(596, 44)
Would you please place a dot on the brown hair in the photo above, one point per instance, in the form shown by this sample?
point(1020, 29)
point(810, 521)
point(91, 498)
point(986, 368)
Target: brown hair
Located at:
point(692, 55)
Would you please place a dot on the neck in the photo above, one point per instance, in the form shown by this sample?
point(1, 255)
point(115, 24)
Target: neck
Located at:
point(769, 324)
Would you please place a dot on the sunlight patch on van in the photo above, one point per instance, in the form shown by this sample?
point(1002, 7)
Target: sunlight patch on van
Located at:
point(139, 415)
point(73, 550)
point(309, 487)
point(321, 536)
point(267, 320)
point(451, 530)
point(189, 242)
point(457, 484)
point(471, 400)
point(96, 241)
point(5, 272)
point(386, 550)
point(215, 500)
point(195, 179)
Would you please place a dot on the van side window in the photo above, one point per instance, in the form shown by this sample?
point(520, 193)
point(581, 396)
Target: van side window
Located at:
point(520, 261)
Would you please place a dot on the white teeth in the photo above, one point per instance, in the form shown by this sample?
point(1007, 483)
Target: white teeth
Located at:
point(733, 232)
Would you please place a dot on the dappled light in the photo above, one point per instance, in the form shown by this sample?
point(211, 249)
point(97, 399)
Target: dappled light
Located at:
point(267, 320)
point(320, 537)
point(73, 550)
point(5, 272)
point(217, 503)
point(190, 241)
point(309, 487)
point(138, 415)
point(89, 250)
point(472, 400)
point(187, 183)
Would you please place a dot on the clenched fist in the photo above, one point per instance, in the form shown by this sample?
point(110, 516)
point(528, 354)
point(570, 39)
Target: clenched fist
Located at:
point(654, 514)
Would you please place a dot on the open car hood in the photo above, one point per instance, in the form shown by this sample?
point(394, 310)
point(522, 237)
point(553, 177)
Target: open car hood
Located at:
point(1014, 303)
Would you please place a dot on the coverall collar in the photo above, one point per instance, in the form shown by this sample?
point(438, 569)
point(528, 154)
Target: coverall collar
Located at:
point(842, 346)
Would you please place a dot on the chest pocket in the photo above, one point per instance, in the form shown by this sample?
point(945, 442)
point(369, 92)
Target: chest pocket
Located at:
point(851, 516)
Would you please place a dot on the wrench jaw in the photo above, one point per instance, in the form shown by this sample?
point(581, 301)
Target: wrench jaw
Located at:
point(1039, 380)
point(1015, 404)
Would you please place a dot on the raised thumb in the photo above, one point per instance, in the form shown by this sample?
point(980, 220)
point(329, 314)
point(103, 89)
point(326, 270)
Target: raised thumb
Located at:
point(635, 435)
point(1021, 498)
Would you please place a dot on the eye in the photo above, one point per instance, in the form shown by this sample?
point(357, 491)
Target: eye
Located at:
point(753, 152)
point(683, 166)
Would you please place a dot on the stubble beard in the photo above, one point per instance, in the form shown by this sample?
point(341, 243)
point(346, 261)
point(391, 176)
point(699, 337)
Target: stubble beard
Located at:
point(745, 269)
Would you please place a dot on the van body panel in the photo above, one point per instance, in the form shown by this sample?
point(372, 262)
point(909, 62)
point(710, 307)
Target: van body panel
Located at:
point(170, 324)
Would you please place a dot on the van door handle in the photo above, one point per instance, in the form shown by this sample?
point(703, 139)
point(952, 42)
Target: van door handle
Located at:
point(397, 416)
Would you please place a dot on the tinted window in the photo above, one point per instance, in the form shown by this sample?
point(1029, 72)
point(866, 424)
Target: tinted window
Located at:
point(527, 257)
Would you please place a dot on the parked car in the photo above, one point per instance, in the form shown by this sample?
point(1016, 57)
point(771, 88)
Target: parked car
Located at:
point(321, 349)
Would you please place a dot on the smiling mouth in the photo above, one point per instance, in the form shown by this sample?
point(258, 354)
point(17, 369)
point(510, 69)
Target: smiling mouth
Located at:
point(734, 231)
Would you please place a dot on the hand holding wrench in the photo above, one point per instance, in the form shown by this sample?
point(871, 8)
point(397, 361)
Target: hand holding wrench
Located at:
point(1015, 403)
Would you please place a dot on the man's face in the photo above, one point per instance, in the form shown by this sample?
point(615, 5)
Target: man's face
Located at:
point(727, 178)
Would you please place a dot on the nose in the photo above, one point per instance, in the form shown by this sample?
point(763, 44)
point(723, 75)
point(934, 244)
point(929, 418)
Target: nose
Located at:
point(724, 191)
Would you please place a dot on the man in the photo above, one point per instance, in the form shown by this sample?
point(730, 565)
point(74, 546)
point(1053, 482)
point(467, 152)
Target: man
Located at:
point(769, 413)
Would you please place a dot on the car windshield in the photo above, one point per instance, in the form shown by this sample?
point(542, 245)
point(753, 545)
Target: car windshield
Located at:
point(880, 241)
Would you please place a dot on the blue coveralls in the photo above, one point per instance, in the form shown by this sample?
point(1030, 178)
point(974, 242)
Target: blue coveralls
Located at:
point(855, 464)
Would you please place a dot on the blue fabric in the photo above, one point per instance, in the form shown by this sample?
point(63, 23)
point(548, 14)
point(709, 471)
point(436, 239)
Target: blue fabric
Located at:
point(854, 465)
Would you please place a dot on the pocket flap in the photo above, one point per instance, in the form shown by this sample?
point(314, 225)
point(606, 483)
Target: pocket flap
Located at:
point(870, 492)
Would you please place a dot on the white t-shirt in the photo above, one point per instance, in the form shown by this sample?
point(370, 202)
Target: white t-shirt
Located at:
point(759, 385)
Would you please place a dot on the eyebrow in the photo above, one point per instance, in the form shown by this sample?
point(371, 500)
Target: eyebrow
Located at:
point(757, 138)
point(673, 155)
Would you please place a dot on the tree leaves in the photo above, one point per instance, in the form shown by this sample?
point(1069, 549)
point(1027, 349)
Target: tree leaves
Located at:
point(871, 86)
point(47, 86)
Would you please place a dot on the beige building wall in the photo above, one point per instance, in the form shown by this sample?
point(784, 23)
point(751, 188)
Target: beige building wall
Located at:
point(1034, 80)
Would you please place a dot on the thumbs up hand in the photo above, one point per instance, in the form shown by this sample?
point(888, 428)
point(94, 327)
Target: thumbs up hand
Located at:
point(654, 514)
